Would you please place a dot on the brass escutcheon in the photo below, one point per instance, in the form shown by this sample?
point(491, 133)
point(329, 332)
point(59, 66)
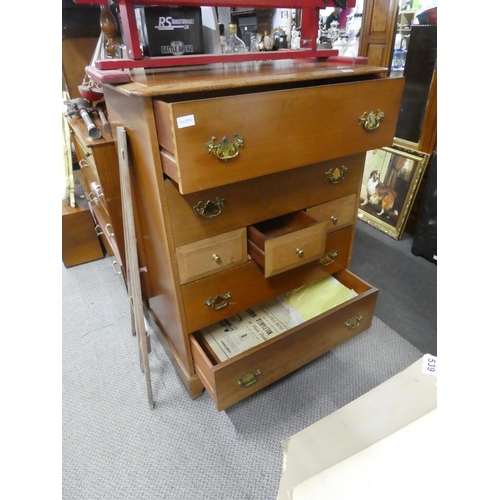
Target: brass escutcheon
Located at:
point(371, 120)
point(226, 149)
point(354, 322)
point(249, 378)
point(336, 175)
point(219, 302)
point(329, 258)
point(210, 208)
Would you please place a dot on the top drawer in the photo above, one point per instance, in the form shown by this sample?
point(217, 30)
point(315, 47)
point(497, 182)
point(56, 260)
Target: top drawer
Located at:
point(279, 130)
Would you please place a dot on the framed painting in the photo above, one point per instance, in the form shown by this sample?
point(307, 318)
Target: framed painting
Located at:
point(391, 178)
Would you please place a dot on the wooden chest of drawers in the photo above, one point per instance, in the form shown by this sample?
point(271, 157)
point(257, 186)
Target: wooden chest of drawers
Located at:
point(246, 181)
point(99, 168)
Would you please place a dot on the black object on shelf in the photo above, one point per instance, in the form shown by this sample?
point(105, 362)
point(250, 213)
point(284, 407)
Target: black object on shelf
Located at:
point(425, 235)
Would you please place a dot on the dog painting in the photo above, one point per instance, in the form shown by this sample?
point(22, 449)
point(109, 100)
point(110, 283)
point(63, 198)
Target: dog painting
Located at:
point(380, 195)
point(391, 178)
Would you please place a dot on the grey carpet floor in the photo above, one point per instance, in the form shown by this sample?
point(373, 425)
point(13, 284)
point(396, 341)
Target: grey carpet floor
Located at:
point(407, 299)
point(115, 448)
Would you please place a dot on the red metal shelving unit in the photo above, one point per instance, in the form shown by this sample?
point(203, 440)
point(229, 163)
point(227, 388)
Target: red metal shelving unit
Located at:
point(130, 35)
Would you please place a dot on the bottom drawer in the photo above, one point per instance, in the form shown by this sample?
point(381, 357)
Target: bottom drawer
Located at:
point(235, 379)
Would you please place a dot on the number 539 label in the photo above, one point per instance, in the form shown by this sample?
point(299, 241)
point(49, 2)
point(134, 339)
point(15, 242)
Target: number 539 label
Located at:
point(429, 364)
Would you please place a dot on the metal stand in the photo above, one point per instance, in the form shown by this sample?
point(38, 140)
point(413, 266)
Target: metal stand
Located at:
point(133, 279)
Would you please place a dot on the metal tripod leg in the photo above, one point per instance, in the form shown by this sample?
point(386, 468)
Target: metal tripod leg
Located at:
point(133, 279)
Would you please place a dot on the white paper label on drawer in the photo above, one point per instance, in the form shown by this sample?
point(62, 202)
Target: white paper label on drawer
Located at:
point(185, 121)
point(429, 365)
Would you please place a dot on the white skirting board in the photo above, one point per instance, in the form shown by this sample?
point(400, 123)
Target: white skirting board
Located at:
point(313, 457)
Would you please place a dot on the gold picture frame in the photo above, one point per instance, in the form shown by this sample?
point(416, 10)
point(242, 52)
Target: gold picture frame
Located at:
point(391, 178)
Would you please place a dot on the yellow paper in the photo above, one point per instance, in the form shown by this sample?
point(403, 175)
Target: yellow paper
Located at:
point(318, 297)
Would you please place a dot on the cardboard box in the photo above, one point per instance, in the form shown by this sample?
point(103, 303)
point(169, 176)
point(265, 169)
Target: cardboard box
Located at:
point(173, 31)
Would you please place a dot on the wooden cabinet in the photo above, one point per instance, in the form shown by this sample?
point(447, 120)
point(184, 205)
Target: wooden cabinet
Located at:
point(80, 242)
point(99, 172)
point(246, 180)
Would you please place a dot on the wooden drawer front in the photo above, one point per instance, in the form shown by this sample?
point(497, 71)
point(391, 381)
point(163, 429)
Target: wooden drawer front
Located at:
point(212, 255)
point(84, 151)
point(337, 213)
point(93, 186)
point(105, 229)
point(281, 130)
point(248, 287)
point(286, 242)
point(281, 355)
point(246, 203)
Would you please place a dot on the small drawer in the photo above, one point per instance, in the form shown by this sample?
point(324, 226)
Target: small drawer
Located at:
point(286, 242)
point(338, 213)
point(262, 198)
point(211, 255)
point(85, 151)
point(259, 133)
point(105, 229)
point(220, 295)
point(235, 379)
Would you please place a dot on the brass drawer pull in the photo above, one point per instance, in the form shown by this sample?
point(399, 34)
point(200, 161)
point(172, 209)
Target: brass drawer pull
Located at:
point(219, 302)
point(354, 322)
point(107, 230)
point(371, 120)
point(217, 258)
point(113, 264)
point(300, 252)
point(226, 149)
point(336, 175)
point(249, 378)
point(329, 258)
point(334, 219)
point(96, 188)
point(210, 208)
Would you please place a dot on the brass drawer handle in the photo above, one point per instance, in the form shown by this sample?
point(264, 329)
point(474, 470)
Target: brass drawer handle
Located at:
point(329, 258)
point(300, 252)
point(226, 149)
point(210, 208)
point(334, 219)
point(96, 188)
point(371, 120)
point(249, 378)
point(219, 302)
point(354, 322)
point(107, 230)
point(113, 264)
point(217, 258)
point(336, 175)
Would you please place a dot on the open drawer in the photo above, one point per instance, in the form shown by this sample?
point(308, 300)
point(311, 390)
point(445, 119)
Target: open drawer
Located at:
point(259, 133)
point(235, 379)
point(286, 242)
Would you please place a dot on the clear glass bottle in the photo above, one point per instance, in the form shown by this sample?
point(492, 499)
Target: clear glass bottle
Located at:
point(222, 39)
point(234, 44)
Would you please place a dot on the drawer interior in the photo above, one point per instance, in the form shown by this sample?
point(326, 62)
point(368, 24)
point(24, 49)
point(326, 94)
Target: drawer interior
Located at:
point(272, 359)
point(279, 226)
point(286, 242)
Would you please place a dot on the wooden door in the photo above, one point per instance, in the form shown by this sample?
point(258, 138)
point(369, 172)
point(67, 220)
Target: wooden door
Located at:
point(378, 31)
